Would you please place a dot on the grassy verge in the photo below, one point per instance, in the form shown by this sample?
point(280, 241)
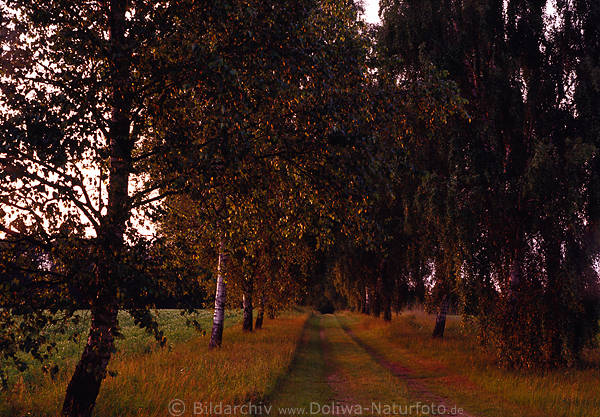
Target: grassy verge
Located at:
point(306, 380)
point(360, 378)
point(148, 377)
point(458, 369)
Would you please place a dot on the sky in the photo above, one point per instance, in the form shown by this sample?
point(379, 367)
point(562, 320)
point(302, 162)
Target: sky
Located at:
point(371, 9)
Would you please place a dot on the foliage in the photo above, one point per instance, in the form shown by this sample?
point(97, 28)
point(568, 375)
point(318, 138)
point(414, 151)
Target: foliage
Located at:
point(505, 202)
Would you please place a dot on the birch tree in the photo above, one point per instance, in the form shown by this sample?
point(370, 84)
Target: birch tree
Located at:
point(80, 85)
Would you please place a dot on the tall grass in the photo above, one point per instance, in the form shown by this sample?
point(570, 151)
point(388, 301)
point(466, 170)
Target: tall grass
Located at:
point(458, 368)
point(149, 377)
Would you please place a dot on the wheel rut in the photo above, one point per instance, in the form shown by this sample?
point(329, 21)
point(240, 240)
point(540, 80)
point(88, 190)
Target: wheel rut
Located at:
point(335, 379)
point(412, 379)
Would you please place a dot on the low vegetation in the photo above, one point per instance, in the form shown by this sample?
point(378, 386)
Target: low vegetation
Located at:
point(457, 368)
point(301, 362)
point(146, 377)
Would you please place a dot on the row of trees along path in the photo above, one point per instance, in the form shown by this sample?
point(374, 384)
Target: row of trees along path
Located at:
point(289, 152)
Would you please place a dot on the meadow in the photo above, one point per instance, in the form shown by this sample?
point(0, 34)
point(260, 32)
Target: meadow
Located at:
point(302, 362)
point(144, 378)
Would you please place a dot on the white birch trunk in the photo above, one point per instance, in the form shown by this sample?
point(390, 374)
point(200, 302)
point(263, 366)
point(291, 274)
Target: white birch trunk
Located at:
point(216, 336)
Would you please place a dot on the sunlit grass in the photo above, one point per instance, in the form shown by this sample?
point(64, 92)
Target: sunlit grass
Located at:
point(148, 377)
point(459, 369)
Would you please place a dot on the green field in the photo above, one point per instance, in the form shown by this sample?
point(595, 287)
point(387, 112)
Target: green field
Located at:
point(135, 339)
point(146, 377)
point(311, 364)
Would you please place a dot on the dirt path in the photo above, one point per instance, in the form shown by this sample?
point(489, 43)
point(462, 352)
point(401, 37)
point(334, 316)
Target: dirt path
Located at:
point(305, 381)
point(411, 378)
point(334, 370)
point(335, 378)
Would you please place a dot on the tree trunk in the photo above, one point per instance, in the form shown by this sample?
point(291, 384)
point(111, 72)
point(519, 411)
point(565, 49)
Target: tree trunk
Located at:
point(515, 275)
point(247, 305)
point(551, 246)
point(376, 308)
point(367, 309)
point(84, 386)
point(216, 336)
point(387, 308)
point(440, 322)
point(387, 313)
point(261, 312)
